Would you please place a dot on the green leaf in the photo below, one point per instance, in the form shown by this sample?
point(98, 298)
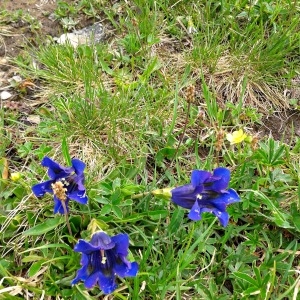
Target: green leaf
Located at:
point(117, 212)
point(65, 151)
point(245, 277)
point(106, 209)
point(116, 183)
point(46, 226)
point(35, 267)
point(101, 200)
point(176, 220)
point(165, 153)
point(31, 258)
point(157, 214)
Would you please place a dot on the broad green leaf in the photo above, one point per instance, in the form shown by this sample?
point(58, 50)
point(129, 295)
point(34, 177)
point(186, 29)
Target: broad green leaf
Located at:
point(117, 212)
point(106, 209)
point(44, 227)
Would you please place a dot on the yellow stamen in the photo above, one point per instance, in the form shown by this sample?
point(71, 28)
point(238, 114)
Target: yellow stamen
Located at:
point(59, 190)
point(104, 258)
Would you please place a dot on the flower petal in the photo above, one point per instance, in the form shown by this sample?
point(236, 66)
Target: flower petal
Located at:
point(78, 196)
point(223, 175)
point(103, 241)
point(41, 188)
point(126, 268)
point(80, 182)
point(195, 213)
point(229, 197)
point(107, 283)
point(78, 165)
point(198, 177)
point(82, 274)
point(223, 218)
point(55, 170)
point(121, 244)
point(132, 271)
point(185, 195)
point(85, 247)
point(91, 280)
point(58, 208)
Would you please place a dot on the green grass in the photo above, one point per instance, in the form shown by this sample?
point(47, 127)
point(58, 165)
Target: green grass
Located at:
point(121, 107)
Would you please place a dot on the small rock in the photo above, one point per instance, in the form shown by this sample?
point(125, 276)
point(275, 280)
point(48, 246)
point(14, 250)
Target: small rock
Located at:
point(15, 80)
point(5, 95)
point(35, 119)
point(87, 35)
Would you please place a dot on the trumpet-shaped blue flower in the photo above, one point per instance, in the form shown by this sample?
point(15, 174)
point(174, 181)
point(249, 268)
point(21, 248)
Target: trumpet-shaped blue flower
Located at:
point(65, 183)
point(102, 259)
point(206, 193)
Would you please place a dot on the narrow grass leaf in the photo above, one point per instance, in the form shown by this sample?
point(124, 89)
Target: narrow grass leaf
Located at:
point(35, 267)
point(245, 277)
point(48, 246)
point(65, 151)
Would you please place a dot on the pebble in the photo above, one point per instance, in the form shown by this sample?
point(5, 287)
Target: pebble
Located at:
point(5, 95)
point(88, 35)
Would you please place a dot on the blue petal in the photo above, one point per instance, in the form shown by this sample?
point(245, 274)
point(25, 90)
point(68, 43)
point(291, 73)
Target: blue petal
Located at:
point(198, 177)
point(80, 182)
point(41, 188)
point(132, 271)
point(229, 197)
point(85, 247)
point(222, 182)
point(55, 170)
point(185, 195)
point(121, 244)
point(126, 268)
point(107, 283)
point(78, 196)
point(223, 218)
point(217, 203)
point(221, 215)
point(195, 213)
point(82, 274)
point(121, 268)
point(78, 165)
point(101, 240)
point(91, 280)
point(58, 208)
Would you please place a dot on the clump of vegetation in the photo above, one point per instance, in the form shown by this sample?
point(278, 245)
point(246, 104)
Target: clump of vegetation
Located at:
point(176, 93)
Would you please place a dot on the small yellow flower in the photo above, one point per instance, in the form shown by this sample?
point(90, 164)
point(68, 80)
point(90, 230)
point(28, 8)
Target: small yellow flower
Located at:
point(15, 176)
point(236, 137)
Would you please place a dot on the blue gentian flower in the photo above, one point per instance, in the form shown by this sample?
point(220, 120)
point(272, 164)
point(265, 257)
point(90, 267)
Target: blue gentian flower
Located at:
point(65, 183)
point(102, 259)
point(206, 193)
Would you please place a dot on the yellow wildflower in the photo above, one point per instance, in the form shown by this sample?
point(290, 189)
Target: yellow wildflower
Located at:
point(15, 176)
point(236, 137)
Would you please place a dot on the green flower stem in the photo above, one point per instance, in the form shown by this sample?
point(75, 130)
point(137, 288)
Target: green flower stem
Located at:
point(137, 196)
point(67, 217)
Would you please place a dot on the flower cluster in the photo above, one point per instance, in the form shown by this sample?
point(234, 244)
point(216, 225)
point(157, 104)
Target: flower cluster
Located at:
point(105, 257)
